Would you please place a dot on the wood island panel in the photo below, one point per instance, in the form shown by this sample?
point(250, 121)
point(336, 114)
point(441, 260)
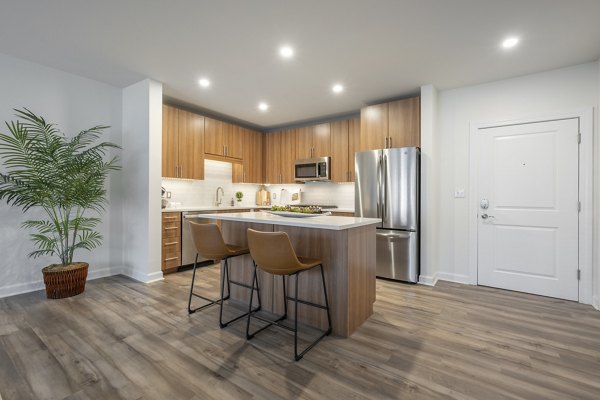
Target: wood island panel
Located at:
point(349, 264)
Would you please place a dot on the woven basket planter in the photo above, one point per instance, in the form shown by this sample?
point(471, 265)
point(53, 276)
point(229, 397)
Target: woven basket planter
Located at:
point(65, 280)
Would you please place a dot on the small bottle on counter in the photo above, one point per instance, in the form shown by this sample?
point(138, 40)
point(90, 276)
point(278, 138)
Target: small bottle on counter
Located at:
point(232, 203)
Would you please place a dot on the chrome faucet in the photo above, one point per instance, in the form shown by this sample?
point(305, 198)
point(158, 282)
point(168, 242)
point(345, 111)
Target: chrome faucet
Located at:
point(218, 200)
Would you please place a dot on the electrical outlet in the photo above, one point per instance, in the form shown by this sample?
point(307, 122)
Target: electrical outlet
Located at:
point(274, 195)
point(459, 193)
point(168, 195)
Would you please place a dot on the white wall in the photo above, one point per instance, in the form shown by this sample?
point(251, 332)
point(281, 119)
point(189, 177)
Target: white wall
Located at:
point(429, 188)
point(142, 149)
point(74, 103)
point(596, 257)
point(558, 91)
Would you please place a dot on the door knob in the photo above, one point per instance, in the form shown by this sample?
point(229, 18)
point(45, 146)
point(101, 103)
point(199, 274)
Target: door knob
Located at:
point(485, 216)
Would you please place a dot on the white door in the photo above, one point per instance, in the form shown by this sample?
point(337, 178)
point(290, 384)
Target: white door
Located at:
point(528, 234)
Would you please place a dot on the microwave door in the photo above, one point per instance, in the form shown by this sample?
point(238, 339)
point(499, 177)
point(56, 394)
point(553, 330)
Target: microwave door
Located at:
point(306, 171)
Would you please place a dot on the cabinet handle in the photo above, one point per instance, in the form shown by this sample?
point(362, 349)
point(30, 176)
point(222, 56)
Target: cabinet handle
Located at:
point(226, 151)
point(171, 258)
point(390, 142)
point(171, 243)
point(170, 217)
point(180, 171)
point(172, 227)
point(244, 176)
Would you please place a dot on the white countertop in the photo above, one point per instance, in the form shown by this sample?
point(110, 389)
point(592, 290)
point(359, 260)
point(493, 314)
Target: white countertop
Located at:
point(320, 222)
point(227, 208)
point(212, 208)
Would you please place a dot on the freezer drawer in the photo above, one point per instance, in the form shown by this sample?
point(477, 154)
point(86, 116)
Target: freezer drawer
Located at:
point(398, 255)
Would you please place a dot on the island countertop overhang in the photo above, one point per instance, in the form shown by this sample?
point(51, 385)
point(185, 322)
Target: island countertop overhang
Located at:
point(328, 222)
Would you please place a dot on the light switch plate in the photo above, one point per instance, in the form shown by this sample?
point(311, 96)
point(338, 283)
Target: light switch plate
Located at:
point(459, 193)
point(168, 195)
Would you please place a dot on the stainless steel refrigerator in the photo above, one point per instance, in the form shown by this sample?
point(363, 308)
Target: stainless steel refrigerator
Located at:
point(388, 187)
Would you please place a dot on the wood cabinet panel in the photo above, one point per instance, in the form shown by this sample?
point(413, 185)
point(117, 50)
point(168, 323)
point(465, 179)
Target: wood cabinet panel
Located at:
point(373, 127)
point(213, 137)
point(288, 155)
point(170, 142)
point(171, 241)
point(191, 145)
point(250, 169)
point(353, 144)
point(404, 124)
point(273, 157)
point(233, 140)
point(322, 140)
point(339, 153)
point(304, 142)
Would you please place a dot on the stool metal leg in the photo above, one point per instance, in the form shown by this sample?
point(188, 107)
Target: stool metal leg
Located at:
point(297, 356)
point(255, 279)
point(210, 301)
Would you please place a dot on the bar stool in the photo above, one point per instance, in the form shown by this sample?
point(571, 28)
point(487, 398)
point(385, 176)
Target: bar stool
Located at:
point(209, 243)
point(273, 253)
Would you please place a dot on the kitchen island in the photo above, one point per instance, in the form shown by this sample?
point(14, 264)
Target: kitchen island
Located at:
point(346, 245)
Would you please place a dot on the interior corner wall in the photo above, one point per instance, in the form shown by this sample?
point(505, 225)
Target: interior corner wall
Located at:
point(429, 204)
point(596, 233)
point(74, 103)
point(564, 90)
point(142, 147)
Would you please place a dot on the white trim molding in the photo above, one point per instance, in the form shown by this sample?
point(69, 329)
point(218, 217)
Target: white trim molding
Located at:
point(596, 303)
point(586, 192)
point(142, 277)
point(444, 276)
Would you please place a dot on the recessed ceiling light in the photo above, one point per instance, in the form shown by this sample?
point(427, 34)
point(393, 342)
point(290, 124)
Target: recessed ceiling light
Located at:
point(286, 52)
point(510, 42)
point(337, 88)
point(263, 106)
point(204, 82)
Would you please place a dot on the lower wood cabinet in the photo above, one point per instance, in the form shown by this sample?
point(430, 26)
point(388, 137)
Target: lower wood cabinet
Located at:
point(171, 241)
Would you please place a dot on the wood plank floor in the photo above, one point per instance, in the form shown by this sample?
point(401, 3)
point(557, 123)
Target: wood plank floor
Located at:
point(125, 340)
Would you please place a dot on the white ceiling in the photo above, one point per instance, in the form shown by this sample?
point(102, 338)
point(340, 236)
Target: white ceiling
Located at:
point(377, 48)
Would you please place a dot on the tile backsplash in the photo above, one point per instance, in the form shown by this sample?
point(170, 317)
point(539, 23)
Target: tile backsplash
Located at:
point(189, 193)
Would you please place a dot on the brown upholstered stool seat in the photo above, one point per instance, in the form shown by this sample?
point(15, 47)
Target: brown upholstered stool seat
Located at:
point(210, 244)
point(273, 253)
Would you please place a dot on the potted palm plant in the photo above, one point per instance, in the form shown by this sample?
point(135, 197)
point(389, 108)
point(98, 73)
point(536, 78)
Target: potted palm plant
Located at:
point(64, 178)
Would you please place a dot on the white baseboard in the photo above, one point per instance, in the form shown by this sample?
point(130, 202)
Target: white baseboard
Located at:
point(596, 302)
point(443, 276)
point(142, 277)
point(427, 280)
point(20, 288)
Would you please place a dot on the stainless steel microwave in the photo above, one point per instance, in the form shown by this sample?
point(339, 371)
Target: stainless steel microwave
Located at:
point(312, 169)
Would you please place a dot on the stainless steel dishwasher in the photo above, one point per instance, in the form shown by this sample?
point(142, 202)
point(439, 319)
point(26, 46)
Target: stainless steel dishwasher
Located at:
point(188, 249)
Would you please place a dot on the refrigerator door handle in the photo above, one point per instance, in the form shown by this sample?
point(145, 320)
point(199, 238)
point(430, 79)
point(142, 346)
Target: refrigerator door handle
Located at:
point(379, 172)
point(385, 189)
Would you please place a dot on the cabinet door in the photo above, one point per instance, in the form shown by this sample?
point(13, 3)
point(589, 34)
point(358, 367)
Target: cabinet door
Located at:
point(405, 123)
point(322, 140)
point(273, 157)
point(256, 153)
point(233, 138)
point(304, 142)
point(213, 137)
point(170, 142)
point(339, 154)
point(288, 155)
point(373, 127)
point(191, 145)
point(353, 144)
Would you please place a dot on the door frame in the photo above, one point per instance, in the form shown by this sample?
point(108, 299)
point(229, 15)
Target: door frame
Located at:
point(586, 191)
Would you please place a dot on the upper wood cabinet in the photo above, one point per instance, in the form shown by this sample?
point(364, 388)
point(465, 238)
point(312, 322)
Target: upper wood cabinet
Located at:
point(251, 169)
point(280, 148)
point(183, 144)
point(404, 123)
point(353, 144)
point(393, 124)
point(345, 136)
point(223, 139)
point(339, 157)
point(313, 141)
